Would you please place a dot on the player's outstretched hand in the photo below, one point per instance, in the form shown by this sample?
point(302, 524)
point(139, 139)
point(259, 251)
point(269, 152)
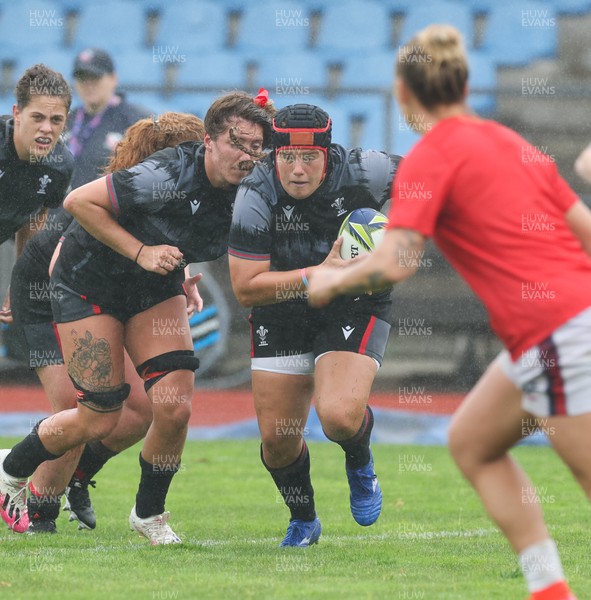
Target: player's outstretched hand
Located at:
point(160, 259)
point(194, 299)
point(334, 258)
point(322, 288)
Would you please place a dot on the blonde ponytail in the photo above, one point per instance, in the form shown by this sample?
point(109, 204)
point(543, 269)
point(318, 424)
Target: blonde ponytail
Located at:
point(434, 65)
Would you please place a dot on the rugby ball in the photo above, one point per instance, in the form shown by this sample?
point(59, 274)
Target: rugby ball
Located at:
point(362, 230)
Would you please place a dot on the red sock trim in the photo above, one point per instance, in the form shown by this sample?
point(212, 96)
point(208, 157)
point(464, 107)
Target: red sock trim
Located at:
point(557, 591)
point(34, 491)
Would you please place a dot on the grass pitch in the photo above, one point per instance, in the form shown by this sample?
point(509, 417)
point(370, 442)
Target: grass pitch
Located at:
point(433, 540)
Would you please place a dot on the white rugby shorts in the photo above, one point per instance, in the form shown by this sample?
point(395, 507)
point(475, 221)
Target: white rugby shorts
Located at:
point(555, 375)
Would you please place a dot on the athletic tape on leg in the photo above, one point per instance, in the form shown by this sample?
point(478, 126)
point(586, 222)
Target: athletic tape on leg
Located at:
point(154, 369)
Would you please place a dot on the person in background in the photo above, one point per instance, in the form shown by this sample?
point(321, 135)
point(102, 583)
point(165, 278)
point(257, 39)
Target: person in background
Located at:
point(94, 129)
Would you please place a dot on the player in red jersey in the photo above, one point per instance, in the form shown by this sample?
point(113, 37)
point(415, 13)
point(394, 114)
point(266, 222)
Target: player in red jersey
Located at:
point(511, 226)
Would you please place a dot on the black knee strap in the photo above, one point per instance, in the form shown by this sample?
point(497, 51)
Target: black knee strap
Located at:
point(110, 401)
point(154, 369)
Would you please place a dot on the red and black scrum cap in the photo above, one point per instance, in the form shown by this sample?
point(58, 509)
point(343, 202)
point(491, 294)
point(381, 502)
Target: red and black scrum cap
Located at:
point(301, 125)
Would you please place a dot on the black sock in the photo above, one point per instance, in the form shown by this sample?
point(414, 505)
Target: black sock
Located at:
point(93, 459)
point(293, 482)
point(357, 447)
point(27, 455)
point(154, 483)
point(43, 504)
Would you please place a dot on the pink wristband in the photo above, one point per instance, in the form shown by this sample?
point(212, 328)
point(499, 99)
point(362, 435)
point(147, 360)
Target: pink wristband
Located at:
point(304, 278)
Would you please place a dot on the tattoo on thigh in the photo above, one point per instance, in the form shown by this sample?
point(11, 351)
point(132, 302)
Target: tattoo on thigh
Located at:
point(91, 364)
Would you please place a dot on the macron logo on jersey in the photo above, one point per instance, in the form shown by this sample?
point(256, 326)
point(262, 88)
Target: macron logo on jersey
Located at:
point(288, 211)
point(195, 204)
point(347, 331)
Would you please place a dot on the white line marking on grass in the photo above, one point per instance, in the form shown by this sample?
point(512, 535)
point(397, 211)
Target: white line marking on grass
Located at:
point(337, 540)
point(343, 539)
point(428, 535)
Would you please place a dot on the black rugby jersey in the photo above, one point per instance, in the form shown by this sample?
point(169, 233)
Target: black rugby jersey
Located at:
point(42, 245)
point(25, 187)
point(166, 199)
point(270, 225)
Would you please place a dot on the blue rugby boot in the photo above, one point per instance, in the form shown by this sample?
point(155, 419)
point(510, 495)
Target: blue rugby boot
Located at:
point(366, 495)
point(302, 534)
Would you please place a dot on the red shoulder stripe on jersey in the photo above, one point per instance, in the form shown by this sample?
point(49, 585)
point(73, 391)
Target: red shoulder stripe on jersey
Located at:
point(248, 255)
point(113, 194)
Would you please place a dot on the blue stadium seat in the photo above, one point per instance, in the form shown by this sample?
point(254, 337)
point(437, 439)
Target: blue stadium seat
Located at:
point(392, 6)
point(398, 6)
point(560, 6)
point(274, 26)
point(38, 25)
point(438, 11)
point(374, 69)
point(111, 25)
point(140, 67)
point(570, 6)
point(353, 26)
point(486, 6)
point(285, 75)
point(150, 6)
point(229, 5)
point(74, 5)
point(222, 70)
point(155, 103)
point(6, 103)
point(366, 116)
point(483, 76)
point(517, 34)
point(147, 5)
point(192, 26)
point(58, 59)
point(190, 102)
point(404, 138)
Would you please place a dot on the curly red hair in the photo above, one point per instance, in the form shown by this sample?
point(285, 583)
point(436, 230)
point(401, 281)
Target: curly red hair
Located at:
point(151, 134)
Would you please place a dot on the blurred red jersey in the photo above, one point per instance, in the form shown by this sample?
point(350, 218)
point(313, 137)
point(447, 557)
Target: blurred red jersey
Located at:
point(495, 204)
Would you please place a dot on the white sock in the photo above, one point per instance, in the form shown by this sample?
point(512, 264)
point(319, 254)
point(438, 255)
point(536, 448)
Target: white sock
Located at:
point(541, 565)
